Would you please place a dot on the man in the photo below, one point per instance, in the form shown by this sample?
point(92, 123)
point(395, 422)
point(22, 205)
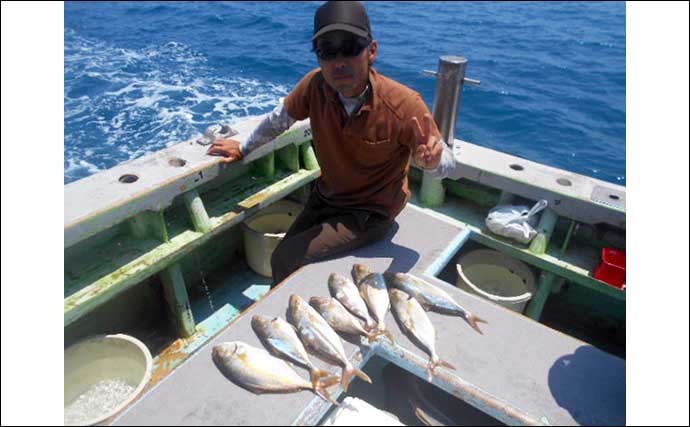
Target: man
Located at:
point(365, 129)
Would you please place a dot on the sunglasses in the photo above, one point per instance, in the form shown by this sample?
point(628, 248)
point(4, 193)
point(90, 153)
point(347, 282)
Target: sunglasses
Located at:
point(348, 49)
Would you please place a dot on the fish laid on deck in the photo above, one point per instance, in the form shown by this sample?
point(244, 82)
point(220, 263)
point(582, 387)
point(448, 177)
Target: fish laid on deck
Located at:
point(342, 289)
point(256, 370)
point(414, 320)
point(339, 318)
point(281, 339)
point(359, 272)
point(431, 297)
point(372, 288)
point(320, 338)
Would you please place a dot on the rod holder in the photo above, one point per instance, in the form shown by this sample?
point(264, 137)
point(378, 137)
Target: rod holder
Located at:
point(450, 78)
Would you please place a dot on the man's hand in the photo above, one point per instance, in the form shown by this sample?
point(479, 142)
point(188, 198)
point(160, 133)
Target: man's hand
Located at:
point(429, 149)
point(228, 148)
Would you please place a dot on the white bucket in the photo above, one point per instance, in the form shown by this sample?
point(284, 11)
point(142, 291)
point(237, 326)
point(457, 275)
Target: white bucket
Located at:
point(264, 231)
point(496, 277)
point(103, 374)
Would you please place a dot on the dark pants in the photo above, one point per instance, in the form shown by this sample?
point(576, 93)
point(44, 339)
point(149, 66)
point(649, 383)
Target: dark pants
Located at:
point(322, 230)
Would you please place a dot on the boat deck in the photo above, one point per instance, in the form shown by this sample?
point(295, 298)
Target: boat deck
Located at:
point(518, 371)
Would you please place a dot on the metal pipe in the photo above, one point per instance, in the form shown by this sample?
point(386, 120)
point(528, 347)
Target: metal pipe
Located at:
point(449, 81)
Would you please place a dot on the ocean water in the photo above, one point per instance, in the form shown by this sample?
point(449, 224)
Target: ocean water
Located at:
point(140, 76)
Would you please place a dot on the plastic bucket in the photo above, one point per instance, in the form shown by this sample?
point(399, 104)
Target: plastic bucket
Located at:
point(103, 374)
point(496, 277)
point(264, 231)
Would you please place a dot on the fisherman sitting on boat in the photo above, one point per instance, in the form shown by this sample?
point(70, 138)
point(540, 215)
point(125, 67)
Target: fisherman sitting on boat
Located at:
point(365, 128)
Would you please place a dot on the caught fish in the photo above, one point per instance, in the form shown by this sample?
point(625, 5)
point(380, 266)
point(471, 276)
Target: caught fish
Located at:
point(431, 297)
point(346, 292)
point(281, 339)
point(256, 370)
point(430, 420)
point(414, 319)
point(372, 288)
point(339, 318)
point(429, 413)
point(319, 337)
point(359, 272)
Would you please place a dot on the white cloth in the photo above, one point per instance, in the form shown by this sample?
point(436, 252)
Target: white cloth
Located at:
point(275, 123)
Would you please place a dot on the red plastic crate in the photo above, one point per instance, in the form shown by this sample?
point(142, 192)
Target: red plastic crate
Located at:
point(611, 269)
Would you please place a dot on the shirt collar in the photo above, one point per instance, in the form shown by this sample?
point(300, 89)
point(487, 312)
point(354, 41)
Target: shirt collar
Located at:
point(372, 101)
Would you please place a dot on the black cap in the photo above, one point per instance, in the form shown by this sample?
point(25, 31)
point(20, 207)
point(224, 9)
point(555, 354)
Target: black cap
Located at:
point(347, 16)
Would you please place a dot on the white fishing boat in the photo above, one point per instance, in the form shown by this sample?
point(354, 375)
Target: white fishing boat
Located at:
point(157, 248)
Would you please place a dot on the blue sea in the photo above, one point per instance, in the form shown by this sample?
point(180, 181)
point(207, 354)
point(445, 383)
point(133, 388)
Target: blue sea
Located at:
point(141, 76)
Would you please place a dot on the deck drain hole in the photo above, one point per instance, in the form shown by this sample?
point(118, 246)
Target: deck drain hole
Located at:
point(516, 167)
point(177, 162)
point(128, 178)
point(614, 197)
point(565, 182)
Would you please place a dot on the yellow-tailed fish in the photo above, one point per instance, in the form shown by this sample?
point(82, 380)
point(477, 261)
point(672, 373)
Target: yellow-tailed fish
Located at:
point(431, 297)
point(281, 339)
point(414, 320)
point(339, 318)
point(342, 289)
point(372, 289)
point(256, 370)
point(320, 338)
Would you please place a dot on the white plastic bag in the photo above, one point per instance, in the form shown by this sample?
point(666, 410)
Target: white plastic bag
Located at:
point(516, 222)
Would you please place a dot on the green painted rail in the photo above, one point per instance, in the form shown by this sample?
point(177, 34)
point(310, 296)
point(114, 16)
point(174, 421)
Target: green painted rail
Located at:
point(576, 265)
point(121, 262)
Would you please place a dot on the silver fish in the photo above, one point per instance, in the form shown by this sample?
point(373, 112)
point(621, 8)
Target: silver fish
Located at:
point(339, 318)
point(281, 339)
point(346, 292)
point(359, 272)
point(431, 297)
point(319, 337)
point(372, 288)
point(414, 319)
point(437, 419)
point(256, 370)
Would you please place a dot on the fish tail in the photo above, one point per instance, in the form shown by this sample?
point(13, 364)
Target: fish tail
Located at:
point(373, 335)
point(362, 375)
point(434, 363)
point(346, 378)
point(369, 325)
point(349, 372)
point(317, 374)
point(381, 330)
point(320, 390)
point(473, 320)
